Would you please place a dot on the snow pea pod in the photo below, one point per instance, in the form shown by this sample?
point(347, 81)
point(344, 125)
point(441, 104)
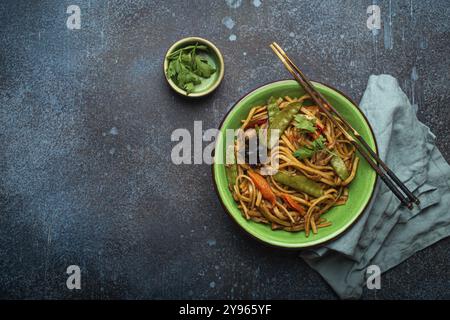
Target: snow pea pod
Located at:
point(339, 167)
point(231, 169)
point(282, 119)
point(232, 173)
point(272, 108)
point(299, 183)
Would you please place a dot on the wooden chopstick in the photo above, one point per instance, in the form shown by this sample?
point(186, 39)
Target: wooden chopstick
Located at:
point(363, 148)
point(391, 174)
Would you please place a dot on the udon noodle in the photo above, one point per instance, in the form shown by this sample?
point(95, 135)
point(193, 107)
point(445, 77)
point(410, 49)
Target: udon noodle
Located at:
point(316, 164)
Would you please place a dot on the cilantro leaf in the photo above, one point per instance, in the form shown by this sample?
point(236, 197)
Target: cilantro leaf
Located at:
point(171, 70)
point(186, 79)
point(176, 53)
point(303, 123)
point(186, 58)
point(189, 87)
point(319, 143)
point(202, 67)
point(308, 151)
point(303, 153)
point(187, 69)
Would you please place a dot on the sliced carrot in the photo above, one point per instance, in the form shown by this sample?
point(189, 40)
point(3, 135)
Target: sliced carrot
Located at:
point(293, 204)
point(263, 186)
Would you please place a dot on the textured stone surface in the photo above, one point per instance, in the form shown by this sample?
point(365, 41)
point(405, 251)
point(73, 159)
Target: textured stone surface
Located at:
point(86, 118)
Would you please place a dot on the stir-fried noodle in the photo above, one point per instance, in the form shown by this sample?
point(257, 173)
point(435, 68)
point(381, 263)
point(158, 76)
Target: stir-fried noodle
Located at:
point(316, 164)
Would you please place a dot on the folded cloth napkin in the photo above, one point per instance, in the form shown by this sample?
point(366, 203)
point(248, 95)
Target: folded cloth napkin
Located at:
point(387, 232)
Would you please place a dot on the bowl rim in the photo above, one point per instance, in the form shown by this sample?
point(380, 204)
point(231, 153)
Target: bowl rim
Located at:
point(318, 243)
point(215, 50)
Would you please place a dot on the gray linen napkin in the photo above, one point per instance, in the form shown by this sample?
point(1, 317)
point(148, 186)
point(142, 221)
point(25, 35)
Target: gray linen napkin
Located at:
point(387, 232)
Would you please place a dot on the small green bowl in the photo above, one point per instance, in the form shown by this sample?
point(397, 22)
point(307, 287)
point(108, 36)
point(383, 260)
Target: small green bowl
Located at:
point(360, 190)
point(213, 56)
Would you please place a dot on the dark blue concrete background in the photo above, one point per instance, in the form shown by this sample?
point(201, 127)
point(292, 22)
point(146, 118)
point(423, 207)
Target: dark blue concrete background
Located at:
point(86, 118)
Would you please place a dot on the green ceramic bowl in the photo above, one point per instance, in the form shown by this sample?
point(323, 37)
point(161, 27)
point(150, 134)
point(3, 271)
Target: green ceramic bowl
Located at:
point(360, 190)
point(213, 56)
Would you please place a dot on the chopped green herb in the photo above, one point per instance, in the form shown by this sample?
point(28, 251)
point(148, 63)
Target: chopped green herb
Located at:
point(319, 143)
point(187, 69)
point(303, 123)
point(176, 53)
point(308, 151)
point(203, 68)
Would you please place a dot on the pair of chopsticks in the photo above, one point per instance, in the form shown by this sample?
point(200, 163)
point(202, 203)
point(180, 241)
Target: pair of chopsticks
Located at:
point(383, 171)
